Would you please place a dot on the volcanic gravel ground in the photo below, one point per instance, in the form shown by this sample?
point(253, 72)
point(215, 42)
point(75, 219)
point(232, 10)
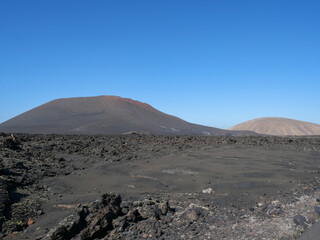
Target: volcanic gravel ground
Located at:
point(171, 187)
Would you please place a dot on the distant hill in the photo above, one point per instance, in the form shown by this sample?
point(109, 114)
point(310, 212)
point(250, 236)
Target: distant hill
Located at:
point(104, 115)
point(279, 126)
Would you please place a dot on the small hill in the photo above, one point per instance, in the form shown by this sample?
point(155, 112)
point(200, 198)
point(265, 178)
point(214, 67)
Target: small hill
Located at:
point(104, 115)
point(279, 126)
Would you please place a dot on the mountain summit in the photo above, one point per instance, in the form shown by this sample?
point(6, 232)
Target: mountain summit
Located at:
point(104, 115)
point(279, 126)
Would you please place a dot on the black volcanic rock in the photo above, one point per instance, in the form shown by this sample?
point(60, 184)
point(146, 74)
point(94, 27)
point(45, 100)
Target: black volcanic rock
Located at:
point(104, 115)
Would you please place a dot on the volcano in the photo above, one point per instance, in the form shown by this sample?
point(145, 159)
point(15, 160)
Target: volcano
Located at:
point(104, 115)
point(279, 126)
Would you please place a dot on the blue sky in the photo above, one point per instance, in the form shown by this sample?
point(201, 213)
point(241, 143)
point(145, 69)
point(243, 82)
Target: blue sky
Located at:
point(216, 63)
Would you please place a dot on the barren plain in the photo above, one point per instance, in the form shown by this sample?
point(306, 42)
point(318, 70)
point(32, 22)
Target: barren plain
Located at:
point(139, 186)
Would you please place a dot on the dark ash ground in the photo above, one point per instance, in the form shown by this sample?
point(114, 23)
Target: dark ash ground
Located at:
point(66, 187)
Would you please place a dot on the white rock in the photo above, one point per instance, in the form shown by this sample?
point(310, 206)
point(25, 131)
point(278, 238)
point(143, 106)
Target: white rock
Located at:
point(208, 190)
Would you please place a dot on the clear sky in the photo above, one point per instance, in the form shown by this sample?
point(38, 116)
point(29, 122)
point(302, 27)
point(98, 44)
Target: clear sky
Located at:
point(216, 63)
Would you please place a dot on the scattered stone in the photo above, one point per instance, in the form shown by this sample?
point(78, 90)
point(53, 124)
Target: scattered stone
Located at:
point(164, 207)
point(40, 212)
point(106, 216)
point(11, 143)
point(4, 200)
point(212, 227)
point(137, 203)
point(149, 211)
point(300, 220)
point(133, 216)
point(193, 212)
point(127, 204)
point(192, 215)
point(317, 210)
point(30, 221)
point(208, 190)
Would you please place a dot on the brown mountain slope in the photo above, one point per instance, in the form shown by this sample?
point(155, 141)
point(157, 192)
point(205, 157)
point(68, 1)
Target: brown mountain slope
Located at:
point(104, 115)
point(279, 126)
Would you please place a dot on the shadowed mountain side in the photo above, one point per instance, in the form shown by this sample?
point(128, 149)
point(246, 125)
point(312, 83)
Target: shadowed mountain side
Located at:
point(279, 126)
point(104, 115)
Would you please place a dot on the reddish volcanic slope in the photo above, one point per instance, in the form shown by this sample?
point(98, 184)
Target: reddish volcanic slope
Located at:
point(104, 115)
point(279, 126)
